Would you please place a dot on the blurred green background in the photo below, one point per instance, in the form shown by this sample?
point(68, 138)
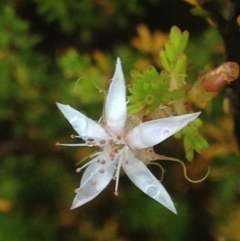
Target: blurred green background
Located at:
point(65, 51)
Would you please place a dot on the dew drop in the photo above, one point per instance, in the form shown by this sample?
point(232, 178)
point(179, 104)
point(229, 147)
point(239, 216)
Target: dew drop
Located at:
point(165, 132)
point(152, 191)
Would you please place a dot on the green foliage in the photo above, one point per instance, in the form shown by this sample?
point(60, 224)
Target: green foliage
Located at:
point(192, 139)
point(72, 15)
point(152, 89)
point(198, 11)
point(172, 57)
point(74, 67)
point(14, 31)
point(149, 217)
point(149, 90)
point(165, 93)
point(207, 46)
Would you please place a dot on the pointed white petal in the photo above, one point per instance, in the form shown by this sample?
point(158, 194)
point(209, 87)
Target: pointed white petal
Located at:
point(116, 105)
point(84, 126)
point(93, 182)
point(150, 133)
point(139, 174)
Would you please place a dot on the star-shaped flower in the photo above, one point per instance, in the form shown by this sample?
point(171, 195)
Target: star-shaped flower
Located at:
point(117, 144)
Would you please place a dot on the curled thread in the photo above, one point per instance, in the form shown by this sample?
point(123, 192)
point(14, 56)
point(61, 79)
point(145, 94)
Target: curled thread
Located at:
point(75, 86)
point(162, 169)
point(184, 169)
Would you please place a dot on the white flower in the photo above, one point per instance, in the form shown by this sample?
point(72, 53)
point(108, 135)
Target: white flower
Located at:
point(116, 146)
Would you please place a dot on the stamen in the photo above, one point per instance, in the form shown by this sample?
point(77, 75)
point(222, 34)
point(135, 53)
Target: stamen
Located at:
point(185, 169)
point(93, 182)
point(75, 136)
point(89, 156)
point(116, 194)
point(76, 190)
point(90, 140)
point(88, 163)
point(117, 174)
point(101, 171)
point(77, 144)
point(78, 170)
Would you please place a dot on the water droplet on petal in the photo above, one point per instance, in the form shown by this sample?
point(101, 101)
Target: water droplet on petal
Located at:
point(165, 132)
point(152, 191)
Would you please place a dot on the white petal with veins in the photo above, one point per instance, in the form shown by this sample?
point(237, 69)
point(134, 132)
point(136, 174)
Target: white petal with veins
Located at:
point(139, 174)
point(93, 182)
point(116, 106)
point(150, 133)
point(84, 126)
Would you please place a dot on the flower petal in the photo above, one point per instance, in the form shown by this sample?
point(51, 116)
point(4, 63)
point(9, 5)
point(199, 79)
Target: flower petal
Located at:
point(116, 105)
point(84, 126)
point(139, 174)
point(93, 182)
point(150, 133)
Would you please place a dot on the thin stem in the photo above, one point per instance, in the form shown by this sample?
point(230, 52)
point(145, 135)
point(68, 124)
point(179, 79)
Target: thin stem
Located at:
point(185, 169)
point(162, 169)
point(85, 158)
point(74, 144)
point(117, 173)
